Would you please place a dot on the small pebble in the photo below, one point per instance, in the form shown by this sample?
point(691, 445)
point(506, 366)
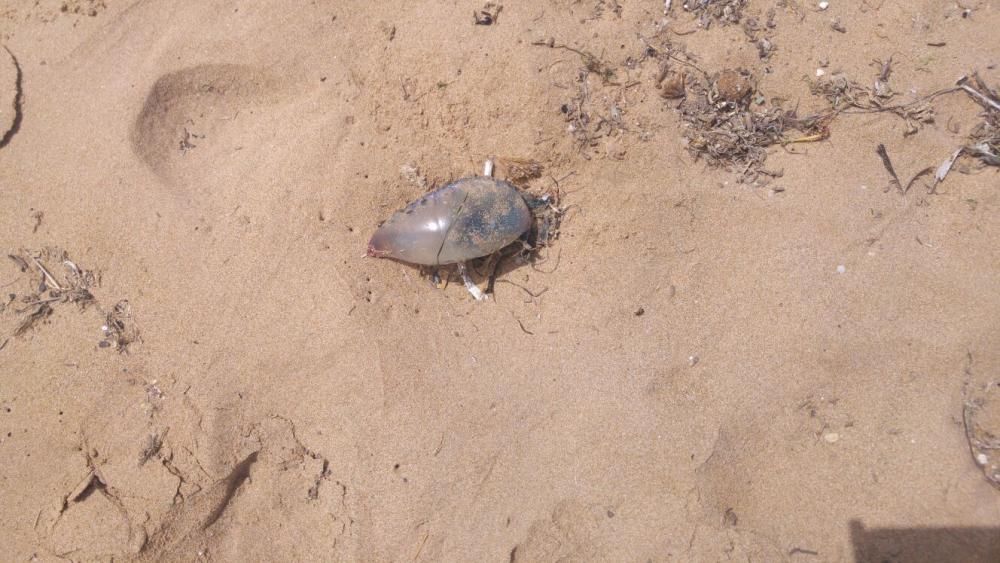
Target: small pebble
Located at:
point(831, 437)
point(820, 72)
point(824, 5)
point(981, 458)
point(693, 360)
point(841, 269)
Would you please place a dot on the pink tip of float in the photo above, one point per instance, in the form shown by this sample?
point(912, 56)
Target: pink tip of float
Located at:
point(374, 252)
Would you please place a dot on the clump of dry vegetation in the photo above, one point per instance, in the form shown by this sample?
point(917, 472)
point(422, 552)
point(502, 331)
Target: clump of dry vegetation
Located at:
point(35, 306)
point(984, 140)
point(727, 121)
point(596, 111)
point(519, 170)
point(722, 11)
point(52, 279)
point(119, 330)
point(848, 96)
point(720, 124)
point(760, 32)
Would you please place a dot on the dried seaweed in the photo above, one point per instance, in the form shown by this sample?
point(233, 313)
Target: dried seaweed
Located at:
point(519, 170)
point(722, 11)
point(722, 126)
point(761, 33)
point(726, 120)
point(984, 140)
point(36, 314)
point(119, 330)
point(848, 96)
point(887, 163)
point(55, 286)
point(72, 287)
point(589, 121)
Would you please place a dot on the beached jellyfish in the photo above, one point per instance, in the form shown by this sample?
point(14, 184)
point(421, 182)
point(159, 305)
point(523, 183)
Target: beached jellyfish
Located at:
point(466, 219)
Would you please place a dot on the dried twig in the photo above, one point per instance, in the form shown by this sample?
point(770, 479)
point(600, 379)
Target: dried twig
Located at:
point(924, 172)
point(884, 155)
point(48, 277)
point(987, 99)
point(39, 313)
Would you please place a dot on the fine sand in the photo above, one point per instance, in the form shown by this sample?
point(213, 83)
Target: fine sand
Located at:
point(707, 365)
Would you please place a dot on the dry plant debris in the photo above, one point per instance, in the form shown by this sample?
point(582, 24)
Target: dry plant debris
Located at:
point(722, 11)
point(848, 96)
point(518, 170)
point(119, 330)
point(726, 121)
point(55, 280)
point(589, 120)
point(723, 127)
point(761, 33)
point(488, 14)
point(602, 6)
point(983, 442)
point(981, 420)
point(36, 305)
point(984, 141)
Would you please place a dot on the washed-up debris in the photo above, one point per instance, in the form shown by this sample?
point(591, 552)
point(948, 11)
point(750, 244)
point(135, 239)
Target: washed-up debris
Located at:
point(488, 14)
point(981, 420)
point(595, 114)
point(724, 127)
point(942, 171)
point(119, 329)
point(52, 280)
point(761, 33)
point(981, 92)
point(984, 141)
point(887, 163)
point(848, 96)
point(722, 11)
point(50, 288)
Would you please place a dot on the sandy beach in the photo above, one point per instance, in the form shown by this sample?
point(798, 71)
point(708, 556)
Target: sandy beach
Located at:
point(757, 337)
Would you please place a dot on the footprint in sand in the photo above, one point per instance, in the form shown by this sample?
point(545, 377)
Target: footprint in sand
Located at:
point(196, 121)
